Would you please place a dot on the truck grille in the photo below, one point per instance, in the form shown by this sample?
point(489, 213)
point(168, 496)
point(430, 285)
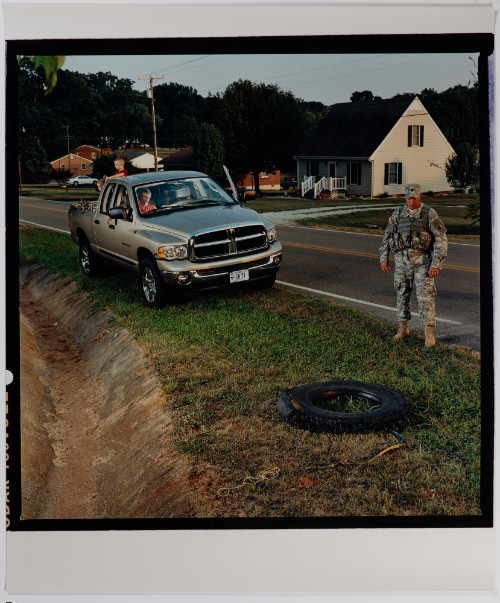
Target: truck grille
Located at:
point(232, 240)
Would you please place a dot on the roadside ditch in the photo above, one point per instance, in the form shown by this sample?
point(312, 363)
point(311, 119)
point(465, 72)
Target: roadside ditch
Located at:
point(96, 432)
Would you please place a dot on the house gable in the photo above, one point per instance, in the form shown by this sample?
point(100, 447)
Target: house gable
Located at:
point(74, 163)
point(415, 150)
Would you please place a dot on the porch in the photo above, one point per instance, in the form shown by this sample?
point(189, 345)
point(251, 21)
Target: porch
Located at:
point(311, 187)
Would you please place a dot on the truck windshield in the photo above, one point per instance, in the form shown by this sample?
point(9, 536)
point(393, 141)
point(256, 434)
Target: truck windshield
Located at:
point(167, 195)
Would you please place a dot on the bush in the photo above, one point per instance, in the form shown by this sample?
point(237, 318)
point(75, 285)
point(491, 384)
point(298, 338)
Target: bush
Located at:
point(60, 176)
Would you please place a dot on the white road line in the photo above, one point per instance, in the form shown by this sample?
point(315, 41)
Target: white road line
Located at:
point(358, 301)
point(46, 227)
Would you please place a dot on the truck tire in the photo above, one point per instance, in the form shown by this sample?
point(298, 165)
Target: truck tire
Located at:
point(89, 262)
point(297, 406)
point(152, 286)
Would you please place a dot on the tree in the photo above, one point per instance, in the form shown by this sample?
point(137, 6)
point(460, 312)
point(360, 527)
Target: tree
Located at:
point(104, 166)
point(462, 168)
point(209, 151)
point(35, 167)
point(312, 112)
point(50, 66)
point(261, 125)
point(124, 112)
point(364, 97)
point(180, 108)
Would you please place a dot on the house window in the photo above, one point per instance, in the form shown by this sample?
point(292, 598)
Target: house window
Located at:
point(354, 172)
point(264, 175)
point(84, 167)
point(313, 168)
point(415, 136)
point(62, 166)
point(393, 173)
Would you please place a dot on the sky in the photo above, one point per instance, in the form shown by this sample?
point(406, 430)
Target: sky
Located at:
point(328, 78)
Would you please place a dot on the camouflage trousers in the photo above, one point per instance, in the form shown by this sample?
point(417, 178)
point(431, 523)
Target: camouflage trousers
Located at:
point(409, 271)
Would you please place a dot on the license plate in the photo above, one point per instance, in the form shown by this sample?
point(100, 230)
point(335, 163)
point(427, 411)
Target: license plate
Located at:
point(238, 275)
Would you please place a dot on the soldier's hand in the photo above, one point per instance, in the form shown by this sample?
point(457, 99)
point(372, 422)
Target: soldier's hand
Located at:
point(385, 266)
point(433, 272)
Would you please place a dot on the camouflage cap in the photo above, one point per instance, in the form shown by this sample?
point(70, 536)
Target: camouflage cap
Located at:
point(412, 191)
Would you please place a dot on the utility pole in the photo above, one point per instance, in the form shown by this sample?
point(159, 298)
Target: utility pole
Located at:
point(69, 156)
point(150, 94)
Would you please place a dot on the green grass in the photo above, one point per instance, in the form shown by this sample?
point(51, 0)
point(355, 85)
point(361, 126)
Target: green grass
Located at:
point(451, 209)
point(53, 191)
point(223, 359)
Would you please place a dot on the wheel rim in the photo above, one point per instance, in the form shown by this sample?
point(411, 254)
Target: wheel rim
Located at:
point(85, 259)
point(149, 285)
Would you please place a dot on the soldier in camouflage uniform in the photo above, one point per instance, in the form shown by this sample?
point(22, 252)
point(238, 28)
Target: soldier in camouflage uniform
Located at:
point(417, 237)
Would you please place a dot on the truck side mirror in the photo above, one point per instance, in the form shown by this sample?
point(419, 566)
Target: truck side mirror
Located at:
point(247, 195)
point(117, 213)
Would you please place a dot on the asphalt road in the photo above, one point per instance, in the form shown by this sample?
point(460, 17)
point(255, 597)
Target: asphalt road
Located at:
point(344, 268)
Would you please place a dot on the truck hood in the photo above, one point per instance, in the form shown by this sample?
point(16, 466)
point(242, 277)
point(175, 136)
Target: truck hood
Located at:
point(183, 222)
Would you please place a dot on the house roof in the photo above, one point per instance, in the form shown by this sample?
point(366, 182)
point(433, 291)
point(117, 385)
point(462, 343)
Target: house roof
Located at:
point(143, 160)
point(73, 156)
point(89, 146)
point(182, 158)
point(353, 129)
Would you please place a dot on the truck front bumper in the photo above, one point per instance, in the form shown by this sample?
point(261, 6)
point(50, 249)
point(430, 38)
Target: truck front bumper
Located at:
point(220, 276)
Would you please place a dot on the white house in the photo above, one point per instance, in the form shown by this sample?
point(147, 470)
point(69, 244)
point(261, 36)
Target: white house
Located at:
point(376, 147)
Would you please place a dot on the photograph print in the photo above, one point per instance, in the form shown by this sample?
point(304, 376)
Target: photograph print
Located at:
point(254, 283)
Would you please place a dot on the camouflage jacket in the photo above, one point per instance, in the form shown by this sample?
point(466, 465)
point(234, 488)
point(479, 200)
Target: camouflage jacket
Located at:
point(432, 240)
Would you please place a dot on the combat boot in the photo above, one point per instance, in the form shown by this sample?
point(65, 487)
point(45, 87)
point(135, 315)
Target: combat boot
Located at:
point(429, 337)
point(403, 330)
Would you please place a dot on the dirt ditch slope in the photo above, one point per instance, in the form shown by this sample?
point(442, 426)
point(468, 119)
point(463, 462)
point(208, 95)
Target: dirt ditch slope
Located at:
point(96, 434)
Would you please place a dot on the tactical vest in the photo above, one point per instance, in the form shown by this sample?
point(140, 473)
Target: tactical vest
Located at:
point(413, 233)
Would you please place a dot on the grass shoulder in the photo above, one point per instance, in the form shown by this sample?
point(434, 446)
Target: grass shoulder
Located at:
point(223, 359)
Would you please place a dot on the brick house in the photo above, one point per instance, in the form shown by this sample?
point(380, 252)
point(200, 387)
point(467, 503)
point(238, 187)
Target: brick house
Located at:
point(88, 151)
point(267, 181)
point(75, 164)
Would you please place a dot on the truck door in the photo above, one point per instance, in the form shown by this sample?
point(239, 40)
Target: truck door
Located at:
point(101, 226)
point(122, 232)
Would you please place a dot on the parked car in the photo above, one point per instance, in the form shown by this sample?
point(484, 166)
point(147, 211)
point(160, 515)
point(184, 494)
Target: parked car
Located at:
point(289, 182)
point(179, 230)
point(81, 181)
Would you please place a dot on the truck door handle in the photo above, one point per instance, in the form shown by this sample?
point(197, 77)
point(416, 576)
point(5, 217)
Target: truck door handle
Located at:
point(96, 222)
point(112, 226)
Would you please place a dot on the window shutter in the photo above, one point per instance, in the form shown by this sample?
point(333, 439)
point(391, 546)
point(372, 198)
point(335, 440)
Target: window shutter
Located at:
point(409, 136)
point(421, 136)
point(386, 173)
point(400, 173)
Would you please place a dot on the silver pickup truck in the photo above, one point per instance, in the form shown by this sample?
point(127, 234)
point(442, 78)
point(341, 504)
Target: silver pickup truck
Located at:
point(180, 230)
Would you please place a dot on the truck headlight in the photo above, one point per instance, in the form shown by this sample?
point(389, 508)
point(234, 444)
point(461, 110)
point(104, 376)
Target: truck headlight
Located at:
point(272, 235)
point(173, 252)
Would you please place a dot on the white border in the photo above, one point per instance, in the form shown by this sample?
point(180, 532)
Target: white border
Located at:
point(301, 561)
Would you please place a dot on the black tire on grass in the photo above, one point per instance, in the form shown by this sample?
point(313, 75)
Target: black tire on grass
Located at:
point(297, 406)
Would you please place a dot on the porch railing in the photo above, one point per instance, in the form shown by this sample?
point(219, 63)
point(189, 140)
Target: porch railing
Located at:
point(322, 184)
point(307, 185)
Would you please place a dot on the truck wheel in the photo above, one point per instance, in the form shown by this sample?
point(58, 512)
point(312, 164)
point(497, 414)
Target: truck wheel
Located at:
point(299, 406)
point(90, 263)
point(152, 286)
